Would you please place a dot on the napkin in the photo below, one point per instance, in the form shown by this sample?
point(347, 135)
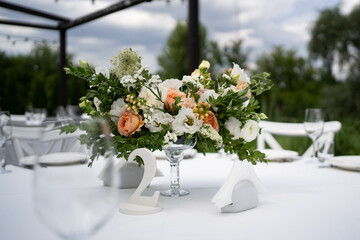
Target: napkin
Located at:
point(241, 170)
point(59, 158)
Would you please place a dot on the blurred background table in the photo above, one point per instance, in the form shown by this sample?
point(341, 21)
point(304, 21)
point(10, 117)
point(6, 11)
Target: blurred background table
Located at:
point(302, 202)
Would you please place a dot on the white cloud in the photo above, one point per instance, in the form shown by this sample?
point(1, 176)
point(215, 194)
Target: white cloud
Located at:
point(347, 5)
point(224, 38)
point(299, 26)
point(135, 18)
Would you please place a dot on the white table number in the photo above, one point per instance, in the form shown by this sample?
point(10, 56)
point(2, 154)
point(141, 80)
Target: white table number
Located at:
point(137, 204)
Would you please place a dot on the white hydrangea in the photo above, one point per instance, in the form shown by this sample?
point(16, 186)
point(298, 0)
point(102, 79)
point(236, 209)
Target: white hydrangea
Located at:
point(234, 127)
point(128, 81)
point(193, 81)
point(154, 81)
point(250, 130)
point(226, 90)
point(154, 121)
point(186, 122)
point(209, 132)
point(117, 109)
point(170, 138)
point(226, 76)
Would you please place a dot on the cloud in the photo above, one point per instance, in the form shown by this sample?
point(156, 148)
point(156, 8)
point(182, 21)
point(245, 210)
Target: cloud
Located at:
point(348, 5)
point(140, 19)
point(299, 26)
point(225, 38)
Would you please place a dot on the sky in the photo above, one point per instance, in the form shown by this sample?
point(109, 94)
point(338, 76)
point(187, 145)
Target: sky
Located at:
point(261, 24)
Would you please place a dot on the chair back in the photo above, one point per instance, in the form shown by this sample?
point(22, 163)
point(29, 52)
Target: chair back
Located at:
point(268, 129)
point(24, 140)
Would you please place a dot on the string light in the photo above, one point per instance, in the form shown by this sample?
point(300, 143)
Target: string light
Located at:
point(13, 39)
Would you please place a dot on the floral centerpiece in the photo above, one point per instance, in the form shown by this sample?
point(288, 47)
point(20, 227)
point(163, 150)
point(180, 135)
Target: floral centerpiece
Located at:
point(145, 111)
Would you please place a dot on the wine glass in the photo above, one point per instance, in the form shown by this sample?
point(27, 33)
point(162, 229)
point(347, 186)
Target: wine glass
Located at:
point(174, 154)
point(70, 198)
point(5, 134)
point(314, 126)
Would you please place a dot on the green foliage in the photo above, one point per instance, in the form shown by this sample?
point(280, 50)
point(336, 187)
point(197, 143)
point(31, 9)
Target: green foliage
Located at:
point(173, 60)
point(224, 57)
point(296, 86)
point(33, 79)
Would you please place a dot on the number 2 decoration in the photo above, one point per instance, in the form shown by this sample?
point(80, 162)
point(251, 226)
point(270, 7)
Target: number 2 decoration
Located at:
point(138, 204)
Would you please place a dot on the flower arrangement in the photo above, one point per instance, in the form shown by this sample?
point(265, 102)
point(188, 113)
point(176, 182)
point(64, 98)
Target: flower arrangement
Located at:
point(145, 111)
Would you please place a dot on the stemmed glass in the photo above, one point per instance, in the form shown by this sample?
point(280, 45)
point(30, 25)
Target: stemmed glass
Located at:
point(5, 134)
point(70, 199)
point(174, 154)
point(314, 126)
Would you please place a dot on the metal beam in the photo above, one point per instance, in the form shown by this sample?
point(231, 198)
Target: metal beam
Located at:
point(28, 24)
point(98, 14)
point(32, 11)
point(193, 36)
point(62, 75)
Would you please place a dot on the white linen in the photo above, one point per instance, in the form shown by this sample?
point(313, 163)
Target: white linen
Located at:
point(280, 155)
point(302, 202)
point(345, 162)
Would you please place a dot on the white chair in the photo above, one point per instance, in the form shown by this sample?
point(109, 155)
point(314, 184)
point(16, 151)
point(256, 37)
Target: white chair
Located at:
point(292, 129)
point(55, 148)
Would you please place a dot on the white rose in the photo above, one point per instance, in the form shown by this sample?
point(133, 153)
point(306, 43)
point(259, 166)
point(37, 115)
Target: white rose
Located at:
point(186, 122)
point(103, 70)
point(117, 109)
point(238, 74)
point(150, 98)
point(166, 85)
point(157, 118)
point(97, 103)
point(250, 130)
point(233, 125)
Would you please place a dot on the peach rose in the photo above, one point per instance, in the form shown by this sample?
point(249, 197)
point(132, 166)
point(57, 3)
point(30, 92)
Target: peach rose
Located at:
point(129, 123)
point(241, 86)
point(212, 120)
point(171, 95)
point(188, 103)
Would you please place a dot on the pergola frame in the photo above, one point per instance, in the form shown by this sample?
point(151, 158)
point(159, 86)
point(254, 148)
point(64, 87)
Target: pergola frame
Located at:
point(63, 24)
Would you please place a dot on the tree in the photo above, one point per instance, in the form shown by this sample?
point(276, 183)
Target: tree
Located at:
point(33, 79)
point(224, 57)
point(295, 85)
point(173, 59)
point(336, 35)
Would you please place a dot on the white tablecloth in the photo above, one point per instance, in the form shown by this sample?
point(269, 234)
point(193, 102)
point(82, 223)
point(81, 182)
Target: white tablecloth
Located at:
point(302, 202)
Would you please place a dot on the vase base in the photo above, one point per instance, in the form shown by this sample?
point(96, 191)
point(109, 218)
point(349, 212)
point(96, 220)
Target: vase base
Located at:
point(175, 193)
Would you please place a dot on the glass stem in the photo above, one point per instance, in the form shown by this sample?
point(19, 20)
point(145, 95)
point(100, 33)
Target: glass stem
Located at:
point(2, 157)
point(174, 176)
point(314, 149)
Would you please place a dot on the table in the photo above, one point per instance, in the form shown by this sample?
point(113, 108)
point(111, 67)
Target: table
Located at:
point(302, 202)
